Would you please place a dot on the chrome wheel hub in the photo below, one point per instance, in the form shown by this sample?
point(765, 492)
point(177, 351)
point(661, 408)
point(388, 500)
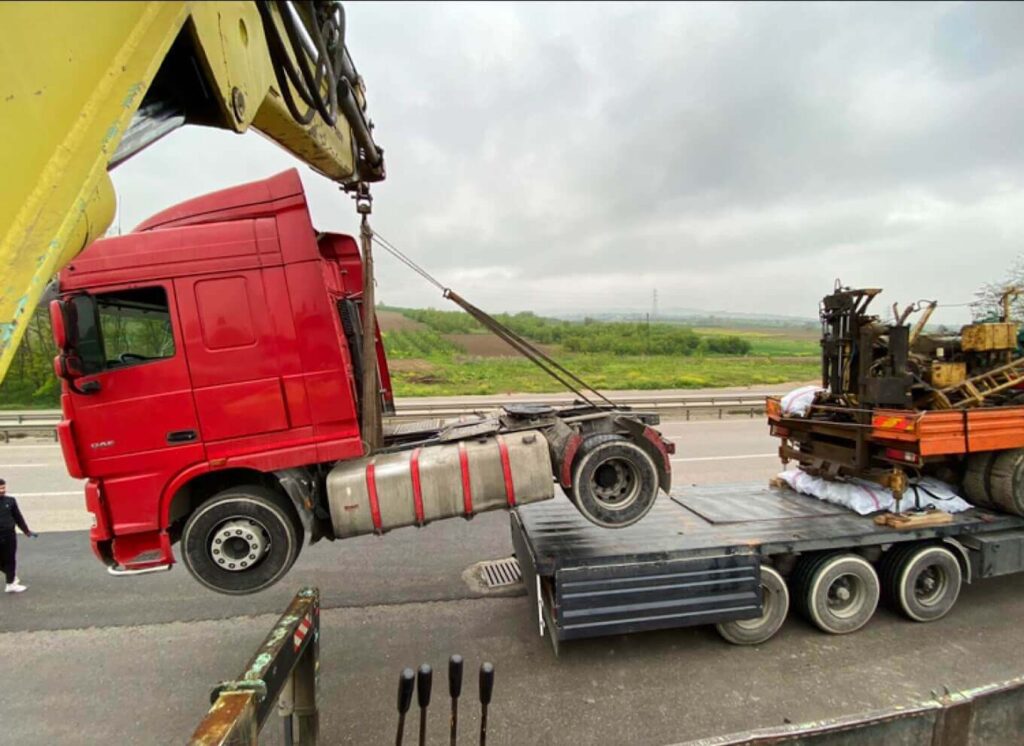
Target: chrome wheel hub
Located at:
point(238, 544)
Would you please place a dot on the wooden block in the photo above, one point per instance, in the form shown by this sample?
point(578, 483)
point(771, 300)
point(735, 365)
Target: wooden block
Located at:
point(905, 521)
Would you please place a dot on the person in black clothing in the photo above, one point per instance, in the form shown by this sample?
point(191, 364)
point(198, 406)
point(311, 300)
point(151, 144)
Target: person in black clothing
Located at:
point(10, 517)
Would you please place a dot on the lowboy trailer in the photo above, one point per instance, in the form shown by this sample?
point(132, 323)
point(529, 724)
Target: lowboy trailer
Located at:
point(740, 555)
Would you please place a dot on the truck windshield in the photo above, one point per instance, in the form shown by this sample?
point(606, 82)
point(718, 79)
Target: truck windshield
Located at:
point(134, 327)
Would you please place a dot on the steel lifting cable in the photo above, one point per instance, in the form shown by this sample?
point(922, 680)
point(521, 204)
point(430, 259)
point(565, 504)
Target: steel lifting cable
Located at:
point(528, 350)
point(525, 348)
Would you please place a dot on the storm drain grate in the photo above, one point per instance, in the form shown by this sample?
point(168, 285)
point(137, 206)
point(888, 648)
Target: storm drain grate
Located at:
point(498, 573)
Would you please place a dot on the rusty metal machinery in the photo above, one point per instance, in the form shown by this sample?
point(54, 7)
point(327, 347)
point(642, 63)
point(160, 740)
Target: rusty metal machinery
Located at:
point(892, 370)
point(870, 364)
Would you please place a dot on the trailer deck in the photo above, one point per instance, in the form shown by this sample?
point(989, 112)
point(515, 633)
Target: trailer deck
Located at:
point(696, 557)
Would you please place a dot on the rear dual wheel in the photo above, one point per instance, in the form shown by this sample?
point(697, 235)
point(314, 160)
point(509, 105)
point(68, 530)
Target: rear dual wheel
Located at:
point(1006, 481)
point(614, 482)
point(995, 479)
point(838, 593)
point(241, 540)
point(922, 581)
point(977, 479)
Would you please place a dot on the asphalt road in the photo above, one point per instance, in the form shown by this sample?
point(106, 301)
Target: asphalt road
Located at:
point(94, 659)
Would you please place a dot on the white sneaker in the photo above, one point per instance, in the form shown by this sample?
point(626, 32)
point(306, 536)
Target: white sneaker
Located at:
point(15, 587)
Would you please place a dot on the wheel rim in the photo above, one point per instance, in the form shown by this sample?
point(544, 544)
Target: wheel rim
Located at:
point(238, 544)
point(846, 596)
point(615, 483)
point(931, 585)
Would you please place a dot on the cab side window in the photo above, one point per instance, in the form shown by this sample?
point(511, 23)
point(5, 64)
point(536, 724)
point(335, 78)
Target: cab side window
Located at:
point(135, 326)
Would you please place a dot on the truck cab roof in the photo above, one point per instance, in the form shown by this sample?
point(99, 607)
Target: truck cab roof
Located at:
point(259, 224)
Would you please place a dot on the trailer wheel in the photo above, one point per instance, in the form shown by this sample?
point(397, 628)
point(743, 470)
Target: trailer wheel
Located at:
point(1007, 481)
point(241, 540)
point(615, 482)
point(977, 479)
point(838, 593)
point(775, 607)
point(923, 582)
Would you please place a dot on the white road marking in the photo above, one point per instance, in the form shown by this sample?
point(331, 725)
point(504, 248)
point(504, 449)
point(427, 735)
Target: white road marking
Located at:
point(25, 466)
point(726, 458)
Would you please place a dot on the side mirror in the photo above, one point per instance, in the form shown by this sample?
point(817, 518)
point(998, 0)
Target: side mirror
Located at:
point(64, 322)
point(58, 325)
point(60, 330)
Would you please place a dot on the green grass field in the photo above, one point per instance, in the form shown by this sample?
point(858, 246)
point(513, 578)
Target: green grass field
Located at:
point(426, 363)
point(463, 375)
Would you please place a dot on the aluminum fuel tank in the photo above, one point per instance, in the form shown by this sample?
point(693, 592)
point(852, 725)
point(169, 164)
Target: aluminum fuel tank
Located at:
point(408, 488)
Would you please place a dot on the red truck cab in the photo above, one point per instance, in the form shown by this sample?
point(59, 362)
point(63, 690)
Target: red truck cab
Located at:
point(215, 344)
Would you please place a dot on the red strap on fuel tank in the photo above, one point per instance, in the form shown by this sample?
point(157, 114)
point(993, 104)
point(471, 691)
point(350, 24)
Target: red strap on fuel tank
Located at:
point(371, 487)
point(417, 488)
point(467, 491)
point(506, 470)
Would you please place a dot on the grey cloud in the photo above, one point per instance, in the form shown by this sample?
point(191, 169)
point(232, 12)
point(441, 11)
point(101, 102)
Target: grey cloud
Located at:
point(576, 156)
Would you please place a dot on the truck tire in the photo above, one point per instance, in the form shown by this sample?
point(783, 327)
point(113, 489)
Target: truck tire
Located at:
point(1007, 481)
point(615, 482)
point(775, 606)
point(838, 593)
point(922, 581)
point(241, 540)
point(977, 479)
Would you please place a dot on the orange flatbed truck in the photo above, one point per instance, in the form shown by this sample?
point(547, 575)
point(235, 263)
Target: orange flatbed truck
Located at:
point(980, 449)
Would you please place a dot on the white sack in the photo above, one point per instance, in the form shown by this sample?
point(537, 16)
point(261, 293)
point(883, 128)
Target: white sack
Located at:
point(866, 497)
point(798, 401)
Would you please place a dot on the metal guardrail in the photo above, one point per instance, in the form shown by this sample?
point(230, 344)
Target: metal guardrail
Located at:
point(284, 670)
point(46, 415)
point(7, 429)
point(44, 422)
point(991, 715)
point(673, 404)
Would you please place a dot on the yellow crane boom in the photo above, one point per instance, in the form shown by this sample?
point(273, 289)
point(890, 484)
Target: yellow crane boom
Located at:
point(85, 85)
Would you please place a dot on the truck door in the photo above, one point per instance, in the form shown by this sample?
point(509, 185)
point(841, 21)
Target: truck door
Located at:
point(133, 416)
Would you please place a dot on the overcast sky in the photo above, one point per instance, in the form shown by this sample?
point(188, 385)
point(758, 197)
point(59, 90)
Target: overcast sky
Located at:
point(575, 157)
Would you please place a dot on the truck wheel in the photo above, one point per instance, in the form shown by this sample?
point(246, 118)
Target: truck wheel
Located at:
point(1007, 481)
point(775, 606)
point(838, 592)
point(241, 540)
point(923, 582)
point(615, 483)
point(977, 478)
